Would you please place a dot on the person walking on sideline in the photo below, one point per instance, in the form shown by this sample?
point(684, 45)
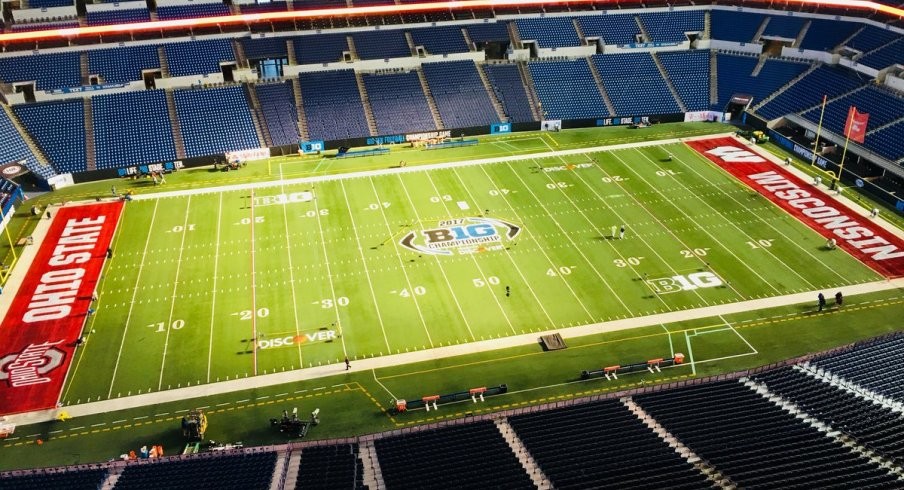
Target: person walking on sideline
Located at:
point(348, 364)
point(621, 232)
point(838, 298)
point(822, 301)
point(109, 252)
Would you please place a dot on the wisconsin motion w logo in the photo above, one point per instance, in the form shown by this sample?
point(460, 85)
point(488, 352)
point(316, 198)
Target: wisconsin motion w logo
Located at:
point(467, 235)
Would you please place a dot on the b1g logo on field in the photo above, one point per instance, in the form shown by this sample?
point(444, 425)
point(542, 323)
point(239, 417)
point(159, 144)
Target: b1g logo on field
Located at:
point(690, 282)
point(29, 366)
point(467, 235)
point(290, 340)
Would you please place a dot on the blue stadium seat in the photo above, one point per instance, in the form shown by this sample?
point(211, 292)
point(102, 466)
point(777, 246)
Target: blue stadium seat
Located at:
point(132, 128)
point(634, 84)
point(49, 71)
point(825, 35)
point(890, 54)
point(734, 26)
point(14, 149)
point(888, 141)
point(278, 107)
point(613, 29)
point(41, 4)
point(784, 26)
point(567, 90)
point(734, 76)
point(399, 104)
point(41, 26)
point(378, 45)
point(332, 105)
point(808, 91)
point(487, 32)
point(510, 90)
point(123, 64)
point(670, 27)
point(872, 37)
point(59, 129)
point(459, 93)
point(440, 40)
point(192, 11)
point(689, 73)
point(249, 471)
point(215, 120)
point(118, 16)
point(268, 47)
point(549, 32)
point(197, 57)
point(320, 48)
point(882, 105)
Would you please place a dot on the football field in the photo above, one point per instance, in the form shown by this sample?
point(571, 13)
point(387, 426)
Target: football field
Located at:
point(212, 286)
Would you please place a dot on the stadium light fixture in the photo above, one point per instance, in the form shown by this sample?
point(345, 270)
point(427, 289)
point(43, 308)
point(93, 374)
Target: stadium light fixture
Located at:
point(366, 10)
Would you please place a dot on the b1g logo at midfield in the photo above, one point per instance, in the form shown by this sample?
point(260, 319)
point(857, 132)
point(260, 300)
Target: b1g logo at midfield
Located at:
point(29, 366)
point(690, 282)
point(467, 235)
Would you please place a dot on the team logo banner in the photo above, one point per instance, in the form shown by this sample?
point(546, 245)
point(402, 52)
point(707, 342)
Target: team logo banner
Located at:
point(465, 235)
point(38, 334)
point(856, 234)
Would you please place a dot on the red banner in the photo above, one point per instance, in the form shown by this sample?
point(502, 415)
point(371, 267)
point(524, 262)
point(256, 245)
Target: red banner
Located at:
point(858, 235)
point(38, 334)
point(855, 125)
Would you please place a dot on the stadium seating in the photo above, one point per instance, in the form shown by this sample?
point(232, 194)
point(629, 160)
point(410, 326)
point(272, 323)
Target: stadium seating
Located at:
point(332, 105)
point(808, 91)
point(259, 8)
point(40, 4)
point(882, 106)
point(49, 71)
point(490, 31)
point(888, 141)
point(197, 57)
point(870, 424)
point(825, 35)
point(634, 84)
point(459, 93)
point(268, 47)
point(132, 128)
point(40, 26)
point(124, 64)
point(398, 102)
point(874, 365)
point(602, 445)
point(549, 32)
point(462, 456)
point(324, 467)
point(509, 89)
point(278, 108)
point(567, 90)
point(118, 16)
point(756, 443)
point(322, 48)
point(440, 40)
point(317, 4)
point(378, 45)
point(236, 471)
point(689, 73)
point(70, 480)
point(734, 76)
point(885, 56)
point(59, 129)
point(611, 28)
point(670, 27)
point(192, 11)
point(784, 26)
point(215, 120)
point(871, 38)
point(14, 149)
point(735, 26)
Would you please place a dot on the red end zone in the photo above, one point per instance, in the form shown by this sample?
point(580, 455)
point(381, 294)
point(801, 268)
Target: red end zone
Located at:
point(859, 236)
point(37, 336)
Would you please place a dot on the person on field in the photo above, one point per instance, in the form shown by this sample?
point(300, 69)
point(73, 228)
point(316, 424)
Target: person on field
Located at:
point(822, 301)
point(838, 298)
point(348, 364)
point(621, 232)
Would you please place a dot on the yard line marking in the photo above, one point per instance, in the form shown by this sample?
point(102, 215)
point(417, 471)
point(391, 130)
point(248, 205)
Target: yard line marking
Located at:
point(473, 259)
point(669, 335)
point(508, 254)
point(730, 221)
point(118, 421)
point(565, 233)
point(743, 339)
point(169, 322)
point(540, 247)
point(690, 353)
point(98, 424)
point(284, 394)
point(663, 225)
point(213, 302)
point(125, 329)
point(223, 404)
point(612, 208)
point(161, 414)
point(417, 304)
point(329, 273)
point(282, 189)
point(370, 283)
point(374, 372)
point(694, 221)
point(759, 217)
point(253, 290)
point(136, 418)
point(442, 270)
point(243, 401)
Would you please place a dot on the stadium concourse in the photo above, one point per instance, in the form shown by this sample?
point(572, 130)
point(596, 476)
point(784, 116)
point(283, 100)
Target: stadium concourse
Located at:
point(439, 352)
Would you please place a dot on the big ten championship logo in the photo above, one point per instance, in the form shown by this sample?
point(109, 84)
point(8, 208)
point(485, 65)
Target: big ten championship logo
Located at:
point(293, 340)
point(690, 282)
point(466, 235)
point(304, 196)
point(30, 366)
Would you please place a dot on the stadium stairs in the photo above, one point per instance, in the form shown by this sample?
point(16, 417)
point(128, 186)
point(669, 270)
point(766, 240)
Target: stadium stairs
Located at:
point(290, 49)
point(299, 109)
point(711, 472)
point(84, 71)
point(599, 85)
point(531, 91)
point(32, 145)
point(643, 31)
point(713, 80)
point(373, 475)
point(800, 35)
point(291, 469)
point(761, 30)
point(164, 62)
point(497, 106)
point(257, 116)
point(365, 101)
point(707, 25)
point(786, 86)
point(468, 41)
point(527, 461)
point(90, 156)
point(577, 28)
point(668, 82)
point(174, 123)
point(434, 110)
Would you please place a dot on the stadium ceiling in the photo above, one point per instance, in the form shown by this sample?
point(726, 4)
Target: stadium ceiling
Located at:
point(369, 10)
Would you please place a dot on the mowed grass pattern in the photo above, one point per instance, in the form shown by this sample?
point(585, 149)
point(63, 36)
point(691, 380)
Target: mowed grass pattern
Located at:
point(195, 279)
